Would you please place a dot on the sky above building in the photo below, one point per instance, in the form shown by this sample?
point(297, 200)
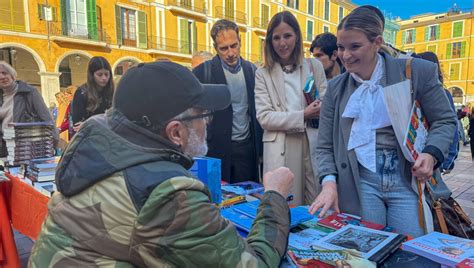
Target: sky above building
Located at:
point(407, 8)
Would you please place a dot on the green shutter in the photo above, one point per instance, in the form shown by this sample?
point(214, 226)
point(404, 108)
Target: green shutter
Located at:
point(457, 29)
point(195, 36)
point(404, 35)
point(309, 31)
point(54, 11)
point(92, 20)
point(463, 49)
point(40, 12)
point(184, 40)
point(449, 51)
point(118, 24)
point(414, 36)
point(438, 30)
point(427, 33)
point(142, 34)
point(63, 17)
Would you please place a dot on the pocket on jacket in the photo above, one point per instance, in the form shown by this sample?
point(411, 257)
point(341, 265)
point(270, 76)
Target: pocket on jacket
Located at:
point(269, 136)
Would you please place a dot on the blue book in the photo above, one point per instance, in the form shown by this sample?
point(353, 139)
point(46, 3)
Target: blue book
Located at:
point(298, 214)
point(240, 220)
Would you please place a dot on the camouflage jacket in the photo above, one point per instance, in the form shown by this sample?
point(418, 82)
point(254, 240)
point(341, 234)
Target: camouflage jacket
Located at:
point(127, 200)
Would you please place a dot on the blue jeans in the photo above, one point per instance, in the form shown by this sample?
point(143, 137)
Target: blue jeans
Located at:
point(387, 198)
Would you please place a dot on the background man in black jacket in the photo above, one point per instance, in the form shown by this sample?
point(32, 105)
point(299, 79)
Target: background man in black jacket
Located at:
point(234, 136)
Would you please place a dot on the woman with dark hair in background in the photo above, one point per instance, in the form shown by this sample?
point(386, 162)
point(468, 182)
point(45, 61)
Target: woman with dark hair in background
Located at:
point(95, 96)
point(361, 164)
point(448, 163)
point(281, 106)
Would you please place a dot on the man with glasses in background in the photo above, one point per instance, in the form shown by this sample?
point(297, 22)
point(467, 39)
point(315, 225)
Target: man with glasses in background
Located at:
point(234, 136)
point(126, 198)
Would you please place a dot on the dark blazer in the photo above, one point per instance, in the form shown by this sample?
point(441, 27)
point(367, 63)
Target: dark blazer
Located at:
point(219, 132)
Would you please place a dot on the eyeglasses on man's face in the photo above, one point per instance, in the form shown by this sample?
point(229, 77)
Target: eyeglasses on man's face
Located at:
point(207, 116)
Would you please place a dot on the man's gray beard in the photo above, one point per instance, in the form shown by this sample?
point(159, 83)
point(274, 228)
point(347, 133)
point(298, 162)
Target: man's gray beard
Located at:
point(195, 147)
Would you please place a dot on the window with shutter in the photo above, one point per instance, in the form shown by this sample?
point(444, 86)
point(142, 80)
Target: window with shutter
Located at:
point(458, 29)
point(118, 24)
point(456, 50)
point(309, 31)
point(265, 15)
point(142, 30)
point(449, 51)
point(12, 15)
point(128, 26)
point(92, 20)
point(310, 7)
point(454, 71)
point(185, 36)
point(76, 18)
point(326, 9)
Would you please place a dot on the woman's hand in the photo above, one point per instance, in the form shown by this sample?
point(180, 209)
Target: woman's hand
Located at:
point(326, 199)
point(312, 110)
point(76, 126)
point(423, 167)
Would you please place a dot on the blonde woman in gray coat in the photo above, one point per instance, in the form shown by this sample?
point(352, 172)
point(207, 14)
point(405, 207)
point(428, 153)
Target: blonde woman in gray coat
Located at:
point(361, 166)
point(281, 106)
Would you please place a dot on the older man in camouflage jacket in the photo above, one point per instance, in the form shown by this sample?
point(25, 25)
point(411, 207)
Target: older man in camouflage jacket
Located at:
point(126, 198)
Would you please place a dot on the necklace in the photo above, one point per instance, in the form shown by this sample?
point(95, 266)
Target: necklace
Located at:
point(288, 68)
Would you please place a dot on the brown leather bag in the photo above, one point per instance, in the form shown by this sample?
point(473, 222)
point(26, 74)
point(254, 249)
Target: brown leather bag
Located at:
point(449, 217)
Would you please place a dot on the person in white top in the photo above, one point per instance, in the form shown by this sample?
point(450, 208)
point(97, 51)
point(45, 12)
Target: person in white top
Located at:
point(281, 106)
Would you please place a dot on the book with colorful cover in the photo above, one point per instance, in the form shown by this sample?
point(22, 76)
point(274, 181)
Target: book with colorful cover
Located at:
point(333, 258)
point(305, 238)
point(442, 248)
point(374, 245)
point(244, 188)
point(336, 221)
point(416, 134)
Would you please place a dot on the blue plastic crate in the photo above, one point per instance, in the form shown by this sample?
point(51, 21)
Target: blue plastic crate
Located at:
point(208, 170)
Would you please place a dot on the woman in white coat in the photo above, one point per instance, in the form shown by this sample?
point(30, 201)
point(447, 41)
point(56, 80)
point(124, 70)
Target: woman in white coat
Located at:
point(281, 106)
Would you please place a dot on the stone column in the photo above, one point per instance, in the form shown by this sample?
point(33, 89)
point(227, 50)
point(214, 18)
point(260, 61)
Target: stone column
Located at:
point(49, 86)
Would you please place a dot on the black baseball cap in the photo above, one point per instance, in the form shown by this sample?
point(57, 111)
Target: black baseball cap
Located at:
point(151, 94)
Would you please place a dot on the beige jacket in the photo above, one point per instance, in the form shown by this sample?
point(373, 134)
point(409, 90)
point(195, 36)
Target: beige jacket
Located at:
point(271, 108)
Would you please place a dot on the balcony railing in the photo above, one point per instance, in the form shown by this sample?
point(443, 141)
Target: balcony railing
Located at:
point(78, 32)
point(176, 46)
point(237, 16)
point(261, 23)
point(199, 6)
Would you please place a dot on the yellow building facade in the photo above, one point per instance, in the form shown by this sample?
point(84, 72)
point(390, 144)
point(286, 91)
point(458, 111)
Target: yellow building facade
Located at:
point(49, 42)
point(449, 35)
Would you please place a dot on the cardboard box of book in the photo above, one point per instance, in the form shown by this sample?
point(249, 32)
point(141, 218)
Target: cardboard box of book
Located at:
point(208, 170)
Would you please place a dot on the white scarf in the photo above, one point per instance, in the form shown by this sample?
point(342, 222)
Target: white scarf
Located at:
point(366, 105)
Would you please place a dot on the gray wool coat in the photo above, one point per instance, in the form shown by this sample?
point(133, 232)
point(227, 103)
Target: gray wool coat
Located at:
point(334, 131)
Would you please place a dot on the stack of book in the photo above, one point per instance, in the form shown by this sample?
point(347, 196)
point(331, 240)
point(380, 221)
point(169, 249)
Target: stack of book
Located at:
point(26, 141)
point(42, 170)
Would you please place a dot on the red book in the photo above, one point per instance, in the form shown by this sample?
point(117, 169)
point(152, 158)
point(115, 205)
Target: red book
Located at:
point(467, 263)
point(336, 221)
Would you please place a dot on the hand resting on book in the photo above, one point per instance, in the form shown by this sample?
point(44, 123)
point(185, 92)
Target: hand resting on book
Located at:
point(423, 167)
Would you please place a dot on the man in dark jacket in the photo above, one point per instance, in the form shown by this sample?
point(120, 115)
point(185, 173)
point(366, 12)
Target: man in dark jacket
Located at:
point(234, 136)
point(126, 198)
